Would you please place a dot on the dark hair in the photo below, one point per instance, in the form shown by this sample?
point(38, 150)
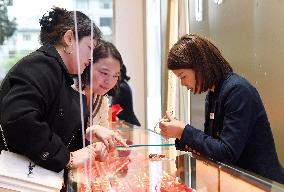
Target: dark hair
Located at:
point(103, 50)
point(59, 20)
point(203, 57)
point(123, 74)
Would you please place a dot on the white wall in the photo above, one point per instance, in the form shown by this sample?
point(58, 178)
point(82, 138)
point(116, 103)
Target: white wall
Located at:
point(128, 34)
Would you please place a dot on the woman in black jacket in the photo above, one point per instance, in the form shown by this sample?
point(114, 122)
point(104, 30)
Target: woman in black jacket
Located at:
point(237, 130)
point(39, 110)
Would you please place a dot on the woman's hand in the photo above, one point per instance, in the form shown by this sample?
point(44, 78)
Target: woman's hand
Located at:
point(109, 137)
point(170, 127)
point(93, 151)
point(101, 151)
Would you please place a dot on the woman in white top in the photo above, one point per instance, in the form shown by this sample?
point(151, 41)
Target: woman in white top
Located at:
point(106, 68)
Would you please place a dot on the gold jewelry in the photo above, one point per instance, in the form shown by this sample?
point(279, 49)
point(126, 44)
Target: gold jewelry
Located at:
point(156, 156)
point(68, 51)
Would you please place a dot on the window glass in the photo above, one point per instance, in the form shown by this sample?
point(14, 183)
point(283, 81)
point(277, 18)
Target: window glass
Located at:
point(105, 21)
point(19, 27)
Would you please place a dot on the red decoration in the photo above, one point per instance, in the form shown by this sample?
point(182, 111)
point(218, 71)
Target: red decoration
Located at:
point(114, 110)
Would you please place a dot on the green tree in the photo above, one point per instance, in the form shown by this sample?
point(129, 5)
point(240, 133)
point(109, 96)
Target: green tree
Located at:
point(7, 27)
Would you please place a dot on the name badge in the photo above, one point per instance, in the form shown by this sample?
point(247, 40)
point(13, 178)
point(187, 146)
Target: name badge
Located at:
point(211, 115)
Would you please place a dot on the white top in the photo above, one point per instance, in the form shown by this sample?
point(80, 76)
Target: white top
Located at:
point(101, 118)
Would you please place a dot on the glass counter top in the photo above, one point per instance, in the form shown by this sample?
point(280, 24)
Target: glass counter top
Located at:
point(152, 163)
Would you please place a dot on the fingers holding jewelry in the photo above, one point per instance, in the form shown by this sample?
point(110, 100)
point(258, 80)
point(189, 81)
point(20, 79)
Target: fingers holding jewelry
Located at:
point(91, 151)
point(107, 136)
point(101, 151)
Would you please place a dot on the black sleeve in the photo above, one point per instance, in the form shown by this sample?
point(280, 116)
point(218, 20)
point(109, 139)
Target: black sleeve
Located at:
point(124, 97)
point(239, 117)
point(34, 85)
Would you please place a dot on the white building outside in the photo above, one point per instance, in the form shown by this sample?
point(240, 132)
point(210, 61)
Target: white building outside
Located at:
point(26, 37)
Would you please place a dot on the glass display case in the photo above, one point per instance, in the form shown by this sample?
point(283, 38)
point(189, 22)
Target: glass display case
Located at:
point(151, 163)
